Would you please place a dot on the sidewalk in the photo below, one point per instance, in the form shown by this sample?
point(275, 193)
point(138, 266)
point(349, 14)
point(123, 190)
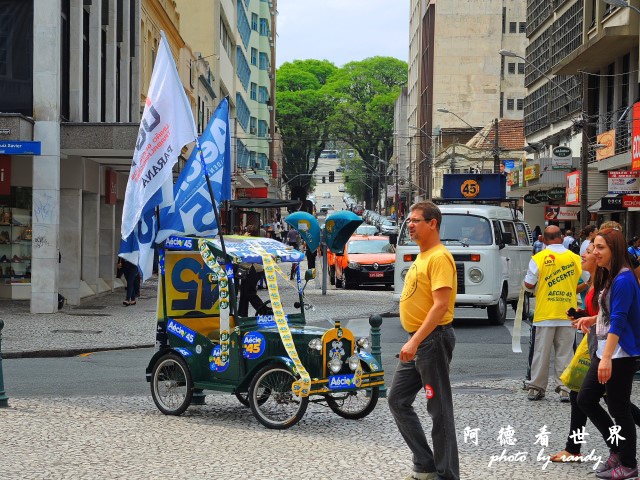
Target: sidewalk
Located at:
point(103, 323)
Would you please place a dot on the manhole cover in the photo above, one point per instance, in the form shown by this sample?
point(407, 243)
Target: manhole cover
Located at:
point(90, 307)
point(92, 332)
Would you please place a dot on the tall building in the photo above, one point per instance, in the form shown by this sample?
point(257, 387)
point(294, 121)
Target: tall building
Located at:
point(238, 38)
point(458, 82)
point(581, 79)
point(74, 78)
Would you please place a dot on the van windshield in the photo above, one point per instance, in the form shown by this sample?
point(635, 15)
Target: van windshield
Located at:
point(469, 229)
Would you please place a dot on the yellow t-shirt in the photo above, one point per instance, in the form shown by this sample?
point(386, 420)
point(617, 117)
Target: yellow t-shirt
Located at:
point(431, 271)
point(558, 276)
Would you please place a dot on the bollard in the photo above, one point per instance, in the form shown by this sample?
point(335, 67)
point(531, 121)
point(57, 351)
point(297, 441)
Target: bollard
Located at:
point(4, 400)
point(375, 321)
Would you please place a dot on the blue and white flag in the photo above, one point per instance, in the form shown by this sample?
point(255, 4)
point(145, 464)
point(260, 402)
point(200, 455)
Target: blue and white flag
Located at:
point(192, 211)
point(166, 126)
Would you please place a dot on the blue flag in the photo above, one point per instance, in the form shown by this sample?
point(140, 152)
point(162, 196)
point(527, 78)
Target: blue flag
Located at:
point(192, 212)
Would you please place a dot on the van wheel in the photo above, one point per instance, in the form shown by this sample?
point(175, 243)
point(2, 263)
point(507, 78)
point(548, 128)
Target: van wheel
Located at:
point(332, 275)
point(498, 313)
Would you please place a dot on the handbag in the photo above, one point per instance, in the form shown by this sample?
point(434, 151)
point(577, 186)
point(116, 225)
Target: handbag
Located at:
point(574, 374)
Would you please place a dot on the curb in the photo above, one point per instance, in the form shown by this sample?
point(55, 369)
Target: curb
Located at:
point(69, 352)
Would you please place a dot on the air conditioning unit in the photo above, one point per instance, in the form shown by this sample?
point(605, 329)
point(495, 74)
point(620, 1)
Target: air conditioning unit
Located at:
point(269, 107)
point(270, 38)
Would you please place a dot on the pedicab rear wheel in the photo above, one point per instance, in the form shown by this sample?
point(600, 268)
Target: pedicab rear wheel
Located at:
point(282, 408)
point(171, 384)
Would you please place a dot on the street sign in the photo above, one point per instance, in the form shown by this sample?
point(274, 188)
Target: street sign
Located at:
point(19, 148)
point(473, 186)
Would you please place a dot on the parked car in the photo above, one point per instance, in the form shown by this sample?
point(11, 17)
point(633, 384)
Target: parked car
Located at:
point(366, 261)
point(387, 227)
point(366, 230)
point(324, 208)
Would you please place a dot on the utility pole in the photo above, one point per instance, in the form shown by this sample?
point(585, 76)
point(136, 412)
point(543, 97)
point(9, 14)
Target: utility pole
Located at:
point(584, 157)
point(409, 199)
point(496, 149)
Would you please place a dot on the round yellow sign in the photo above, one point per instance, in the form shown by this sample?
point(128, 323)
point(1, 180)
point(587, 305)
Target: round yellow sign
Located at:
point(470, 189)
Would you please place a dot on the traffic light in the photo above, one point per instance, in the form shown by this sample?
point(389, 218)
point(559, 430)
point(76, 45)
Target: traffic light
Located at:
point(331, 176)
point(346, 179)
point(323, 179)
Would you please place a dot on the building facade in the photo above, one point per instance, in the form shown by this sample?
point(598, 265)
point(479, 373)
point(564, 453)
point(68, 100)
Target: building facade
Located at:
point(454, 91)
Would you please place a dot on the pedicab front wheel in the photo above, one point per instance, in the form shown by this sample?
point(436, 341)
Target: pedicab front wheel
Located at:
point(171, 384)
point(353, 404)
point(271, 399)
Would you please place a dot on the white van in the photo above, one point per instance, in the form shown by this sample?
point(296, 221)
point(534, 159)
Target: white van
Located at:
point(491, 247)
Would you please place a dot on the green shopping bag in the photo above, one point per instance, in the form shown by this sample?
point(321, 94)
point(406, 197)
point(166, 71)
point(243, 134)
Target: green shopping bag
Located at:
point(574, 374)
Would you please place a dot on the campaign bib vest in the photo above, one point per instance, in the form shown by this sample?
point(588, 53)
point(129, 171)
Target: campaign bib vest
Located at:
point(557, 281)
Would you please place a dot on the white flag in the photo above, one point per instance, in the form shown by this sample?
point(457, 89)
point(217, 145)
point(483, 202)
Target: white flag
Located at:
point(167, 125)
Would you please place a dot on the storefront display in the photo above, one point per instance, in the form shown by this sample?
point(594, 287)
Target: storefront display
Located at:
point(15, 245)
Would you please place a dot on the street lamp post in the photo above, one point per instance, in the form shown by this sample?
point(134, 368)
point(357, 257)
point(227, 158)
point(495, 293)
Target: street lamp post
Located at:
point(383, 162)
point(622, 4)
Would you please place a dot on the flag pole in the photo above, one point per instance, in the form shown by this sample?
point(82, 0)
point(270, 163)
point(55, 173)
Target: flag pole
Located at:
point(217, 215)
point(161, 335)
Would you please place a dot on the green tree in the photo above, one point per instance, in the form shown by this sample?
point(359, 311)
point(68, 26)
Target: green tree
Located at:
point(302, 114)
point(363, 95)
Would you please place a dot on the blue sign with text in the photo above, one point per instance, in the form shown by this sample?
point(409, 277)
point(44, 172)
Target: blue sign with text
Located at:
point(19, 148)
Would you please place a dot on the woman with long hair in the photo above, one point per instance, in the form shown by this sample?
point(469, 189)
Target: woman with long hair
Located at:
point(613, 366)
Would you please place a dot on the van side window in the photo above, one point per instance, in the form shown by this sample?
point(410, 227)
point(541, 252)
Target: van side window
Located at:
point(497, 232)
point(509, 227)
point(523, 235)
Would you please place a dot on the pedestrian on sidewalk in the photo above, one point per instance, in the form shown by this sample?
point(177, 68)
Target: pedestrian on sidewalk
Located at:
point(614, 365)
point(555, 272)
point(426, 313)
point(131, 274)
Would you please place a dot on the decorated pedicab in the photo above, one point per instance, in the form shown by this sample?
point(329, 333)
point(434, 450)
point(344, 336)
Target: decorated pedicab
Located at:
point(273, 362)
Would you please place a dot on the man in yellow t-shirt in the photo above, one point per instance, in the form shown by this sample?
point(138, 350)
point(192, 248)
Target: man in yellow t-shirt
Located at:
point(555, 271)
point(426, 313)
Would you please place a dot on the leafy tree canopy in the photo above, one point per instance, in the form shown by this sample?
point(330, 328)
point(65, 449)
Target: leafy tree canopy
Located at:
point(354, 105)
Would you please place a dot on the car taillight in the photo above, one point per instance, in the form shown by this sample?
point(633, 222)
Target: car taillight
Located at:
point(409, 257)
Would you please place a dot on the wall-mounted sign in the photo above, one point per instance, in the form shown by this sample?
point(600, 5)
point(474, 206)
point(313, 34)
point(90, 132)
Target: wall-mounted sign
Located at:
point(532, 172)
point(110, 187)
point(623, 181)
point(509, 164)
point(608, 139)
point(560, 212)
point(19, 148)
point(541, 196)
point(5, 131)
point(611, 203)
point(635, 137)
point(465, 186)
point(573, 188)
point(556, 193)
point(561, 158)
point(531, 198)
point(631, 201)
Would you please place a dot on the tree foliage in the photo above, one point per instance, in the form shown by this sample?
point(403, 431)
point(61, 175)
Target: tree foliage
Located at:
point(353, 105)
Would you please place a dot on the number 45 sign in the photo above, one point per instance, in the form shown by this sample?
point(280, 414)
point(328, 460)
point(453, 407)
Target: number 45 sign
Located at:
point(470, 189)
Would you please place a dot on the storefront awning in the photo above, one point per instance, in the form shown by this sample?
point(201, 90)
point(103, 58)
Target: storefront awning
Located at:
point(608, 203)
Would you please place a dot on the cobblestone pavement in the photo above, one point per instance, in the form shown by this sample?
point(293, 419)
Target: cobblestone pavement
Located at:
point(126, 437)
point(104, 323)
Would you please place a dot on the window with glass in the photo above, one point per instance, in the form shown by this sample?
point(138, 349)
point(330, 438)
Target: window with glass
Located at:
point(15, 236)
point(509, 103)
point(253, 122)
point(513, 27)
point(254, 56)
point(369, 246)
point(521, 68)
point(254, 91)
point(520, 104)
point(264, 61)
point(264, 27)
point(511, 67)
point(254, 21)
point(457, 229)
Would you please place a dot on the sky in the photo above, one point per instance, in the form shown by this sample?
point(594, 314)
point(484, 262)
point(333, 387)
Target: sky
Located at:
point(342, 31)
